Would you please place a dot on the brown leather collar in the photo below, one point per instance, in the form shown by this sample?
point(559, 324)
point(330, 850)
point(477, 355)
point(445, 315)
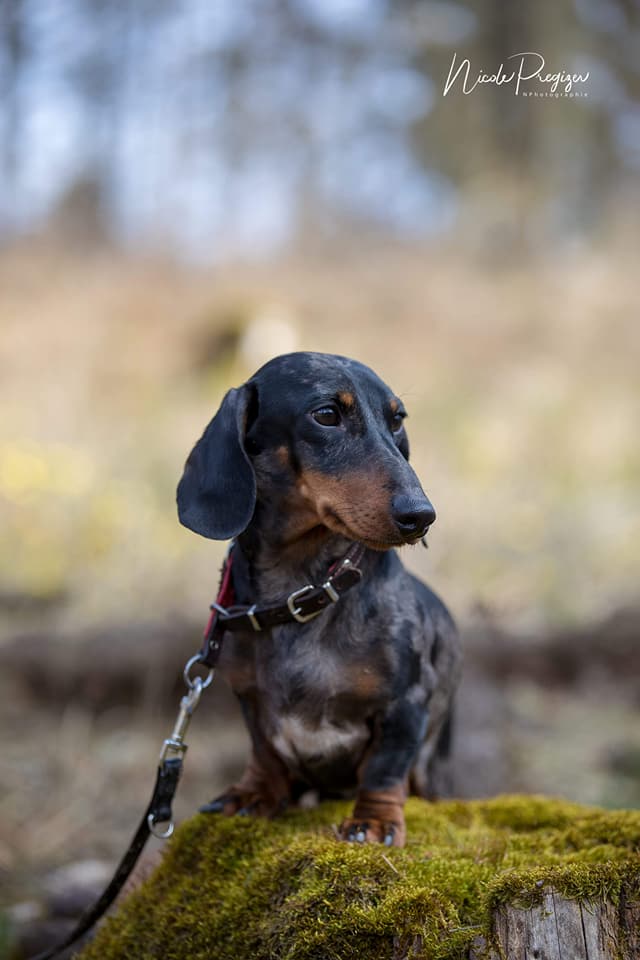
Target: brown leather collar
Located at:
point(299, 606)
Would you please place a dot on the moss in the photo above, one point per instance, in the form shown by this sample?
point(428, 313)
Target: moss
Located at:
point(286, 890)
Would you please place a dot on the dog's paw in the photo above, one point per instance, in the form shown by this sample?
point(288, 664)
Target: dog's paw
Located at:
point(388, 833)
point(246, 803)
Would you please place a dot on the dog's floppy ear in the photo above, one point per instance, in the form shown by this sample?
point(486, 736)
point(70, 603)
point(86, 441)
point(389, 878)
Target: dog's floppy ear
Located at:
point(217, 492)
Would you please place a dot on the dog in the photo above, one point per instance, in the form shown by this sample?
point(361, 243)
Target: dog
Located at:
point(306, 467)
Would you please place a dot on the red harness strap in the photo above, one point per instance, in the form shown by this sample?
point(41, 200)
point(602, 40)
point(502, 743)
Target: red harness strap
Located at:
point(211, 644)
point(225, 596)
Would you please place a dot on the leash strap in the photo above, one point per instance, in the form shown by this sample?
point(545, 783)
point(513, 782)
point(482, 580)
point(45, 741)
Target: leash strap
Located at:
point(158, 811)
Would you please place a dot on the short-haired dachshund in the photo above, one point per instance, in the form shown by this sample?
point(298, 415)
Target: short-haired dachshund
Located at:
point(305, 460)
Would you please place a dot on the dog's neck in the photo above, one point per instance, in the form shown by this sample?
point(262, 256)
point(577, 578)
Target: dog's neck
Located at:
point(266, 568)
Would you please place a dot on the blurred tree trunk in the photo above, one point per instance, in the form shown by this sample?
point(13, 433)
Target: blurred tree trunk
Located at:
point(509, 29)
point(15, 50)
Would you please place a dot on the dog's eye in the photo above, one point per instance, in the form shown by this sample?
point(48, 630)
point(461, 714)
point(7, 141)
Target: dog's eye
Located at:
point(396, 422)
point(326, 416)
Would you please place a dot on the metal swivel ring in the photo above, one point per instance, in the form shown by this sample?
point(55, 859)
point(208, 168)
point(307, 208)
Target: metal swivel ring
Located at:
point(192, 683)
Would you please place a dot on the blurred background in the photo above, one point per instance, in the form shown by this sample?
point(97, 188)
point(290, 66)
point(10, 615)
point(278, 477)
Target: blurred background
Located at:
point(188, 188)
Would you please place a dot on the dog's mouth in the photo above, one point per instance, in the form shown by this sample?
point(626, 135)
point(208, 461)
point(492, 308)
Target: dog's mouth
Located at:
point(390, 545)
point(412, 541)
point(334, 522)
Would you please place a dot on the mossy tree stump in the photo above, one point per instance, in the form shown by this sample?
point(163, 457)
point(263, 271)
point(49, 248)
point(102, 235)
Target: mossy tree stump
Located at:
point(521, 878)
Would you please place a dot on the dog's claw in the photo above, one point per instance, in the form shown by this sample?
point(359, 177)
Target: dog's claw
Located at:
point(388, 837)
point(361, 836)
point(216, 806)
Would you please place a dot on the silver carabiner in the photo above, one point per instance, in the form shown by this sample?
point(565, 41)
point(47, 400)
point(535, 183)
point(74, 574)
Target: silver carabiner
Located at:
point(175, 744)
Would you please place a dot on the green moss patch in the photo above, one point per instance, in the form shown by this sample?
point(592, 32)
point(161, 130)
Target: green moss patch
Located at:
point(239, 888)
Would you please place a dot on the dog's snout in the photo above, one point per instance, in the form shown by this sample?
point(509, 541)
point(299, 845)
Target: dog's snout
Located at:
point(412, 516)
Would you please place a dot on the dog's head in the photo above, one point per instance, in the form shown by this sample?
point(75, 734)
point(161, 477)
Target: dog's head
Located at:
point(321, 437)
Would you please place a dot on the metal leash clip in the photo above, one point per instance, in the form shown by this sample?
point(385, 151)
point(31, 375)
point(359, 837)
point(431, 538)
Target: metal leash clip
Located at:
point(174, 747)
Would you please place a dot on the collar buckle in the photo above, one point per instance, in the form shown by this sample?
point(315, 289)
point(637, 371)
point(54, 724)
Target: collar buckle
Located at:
point(295, 611)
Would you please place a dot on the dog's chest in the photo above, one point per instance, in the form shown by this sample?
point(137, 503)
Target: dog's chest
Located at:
point(321, 705)
point(319, 681)
point(301, 741)
point(314, 700)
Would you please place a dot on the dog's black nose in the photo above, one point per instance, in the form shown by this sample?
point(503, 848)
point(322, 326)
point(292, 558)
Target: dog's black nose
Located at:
point(412, 516)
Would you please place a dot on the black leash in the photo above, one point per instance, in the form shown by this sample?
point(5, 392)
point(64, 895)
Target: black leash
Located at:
point(301, 605)
point(158, 811)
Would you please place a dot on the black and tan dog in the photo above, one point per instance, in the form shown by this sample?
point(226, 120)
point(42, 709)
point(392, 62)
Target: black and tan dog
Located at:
point(305, 459)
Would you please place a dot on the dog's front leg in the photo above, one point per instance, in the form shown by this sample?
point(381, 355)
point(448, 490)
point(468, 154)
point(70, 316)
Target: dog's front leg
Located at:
point(264, 789)
point(378, 814)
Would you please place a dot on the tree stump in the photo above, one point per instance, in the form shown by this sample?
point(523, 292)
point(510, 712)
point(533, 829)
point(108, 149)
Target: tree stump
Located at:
point(560, 929)
point(512, 878)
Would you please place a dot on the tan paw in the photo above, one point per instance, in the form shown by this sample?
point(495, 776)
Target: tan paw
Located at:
point(355, 830)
